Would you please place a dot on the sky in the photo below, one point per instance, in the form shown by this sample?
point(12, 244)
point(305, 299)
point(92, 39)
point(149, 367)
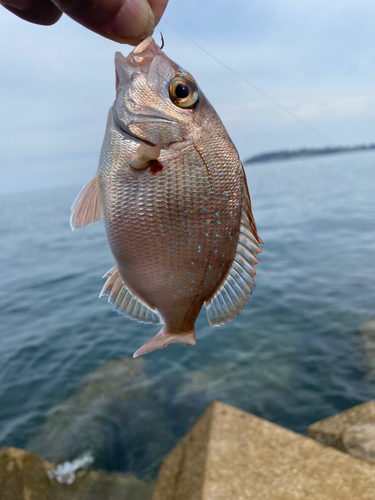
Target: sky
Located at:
point(314, 58)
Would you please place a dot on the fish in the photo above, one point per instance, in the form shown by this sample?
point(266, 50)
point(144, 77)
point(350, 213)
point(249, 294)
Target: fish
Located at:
point(172, 192)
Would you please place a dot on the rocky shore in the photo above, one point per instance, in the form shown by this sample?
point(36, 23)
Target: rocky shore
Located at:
point(227, 454)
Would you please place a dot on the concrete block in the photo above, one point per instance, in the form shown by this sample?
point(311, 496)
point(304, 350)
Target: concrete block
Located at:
point(232, 455)
point(352, 431)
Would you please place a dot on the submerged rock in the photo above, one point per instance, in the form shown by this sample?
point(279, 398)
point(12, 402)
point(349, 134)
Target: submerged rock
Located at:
point(129, 421)
point(24, 476)
point(367, 331)
point(115, 416)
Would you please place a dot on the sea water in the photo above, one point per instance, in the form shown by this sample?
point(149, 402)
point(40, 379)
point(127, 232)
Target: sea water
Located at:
point(294, 355)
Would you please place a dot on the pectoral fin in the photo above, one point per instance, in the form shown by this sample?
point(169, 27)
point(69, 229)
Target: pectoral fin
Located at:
point(144, 155)
point(87, 207)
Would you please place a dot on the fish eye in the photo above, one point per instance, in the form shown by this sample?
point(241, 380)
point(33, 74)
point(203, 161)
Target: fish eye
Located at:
point(183, 92)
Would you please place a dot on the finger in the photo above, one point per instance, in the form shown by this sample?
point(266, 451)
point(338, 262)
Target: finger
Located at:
point(35, 11)
point(158, 7)
point(124, 21)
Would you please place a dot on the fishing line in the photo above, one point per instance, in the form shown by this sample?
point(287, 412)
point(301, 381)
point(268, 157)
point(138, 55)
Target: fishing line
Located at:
point(253, 86)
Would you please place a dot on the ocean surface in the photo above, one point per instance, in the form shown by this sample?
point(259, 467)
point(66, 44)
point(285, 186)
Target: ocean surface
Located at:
point(294, 355)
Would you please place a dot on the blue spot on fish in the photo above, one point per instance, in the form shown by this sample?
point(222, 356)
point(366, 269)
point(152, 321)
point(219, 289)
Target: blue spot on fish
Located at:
point(215, 251)
point(204, 209)
point(217, 235)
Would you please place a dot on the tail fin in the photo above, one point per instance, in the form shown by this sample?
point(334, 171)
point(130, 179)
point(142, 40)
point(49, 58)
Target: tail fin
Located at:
point(163, 338)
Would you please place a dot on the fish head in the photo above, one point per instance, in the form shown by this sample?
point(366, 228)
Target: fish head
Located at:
point(157, 101)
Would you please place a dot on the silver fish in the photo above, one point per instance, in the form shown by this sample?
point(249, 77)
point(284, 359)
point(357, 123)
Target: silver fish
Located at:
point(172, 191)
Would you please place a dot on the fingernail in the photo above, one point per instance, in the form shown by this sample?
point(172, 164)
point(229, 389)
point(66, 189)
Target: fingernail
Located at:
point(17, 4)
point(135, 21)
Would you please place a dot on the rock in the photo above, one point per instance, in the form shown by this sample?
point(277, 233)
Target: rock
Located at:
point(359, 441)
point(230, 454)
point(348, 431)
point(23, 476)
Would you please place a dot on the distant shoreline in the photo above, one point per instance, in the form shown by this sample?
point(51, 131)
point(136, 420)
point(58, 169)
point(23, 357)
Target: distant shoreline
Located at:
point(306, 153)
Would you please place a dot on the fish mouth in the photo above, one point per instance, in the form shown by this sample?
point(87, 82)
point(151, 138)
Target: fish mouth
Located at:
point(124, 129)
point(147, 49)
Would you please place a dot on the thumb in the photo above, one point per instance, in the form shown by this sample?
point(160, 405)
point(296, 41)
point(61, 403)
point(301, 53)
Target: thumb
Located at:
point(124, 21)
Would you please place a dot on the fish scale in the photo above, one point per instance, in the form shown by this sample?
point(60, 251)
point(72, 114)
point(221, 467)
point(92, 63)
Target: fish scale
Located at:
point(172, 191)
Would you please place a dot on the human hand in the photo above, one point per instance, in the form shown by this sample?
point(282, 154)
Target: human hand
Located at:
point(124, 21)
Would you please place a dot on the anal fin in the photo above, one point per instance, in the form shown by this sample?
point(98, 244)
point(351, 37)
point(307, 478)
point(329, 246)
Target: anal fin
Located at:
point(126, 302)
point(87, 207)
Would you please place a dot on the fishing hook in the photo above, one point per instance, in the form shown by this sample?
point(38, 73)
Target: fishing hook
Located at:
point(162, 40)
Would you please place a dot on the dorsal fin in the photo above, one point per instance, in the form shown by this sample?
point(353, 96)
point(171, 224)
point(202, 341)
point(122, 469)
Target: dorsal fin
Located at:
point(87, 207)
point(237, 286)
point(126, 302)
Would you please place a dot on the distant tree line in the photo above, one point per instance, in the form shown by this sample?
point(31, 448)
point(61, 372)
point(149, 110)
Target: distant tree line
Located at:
point(305, 152)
